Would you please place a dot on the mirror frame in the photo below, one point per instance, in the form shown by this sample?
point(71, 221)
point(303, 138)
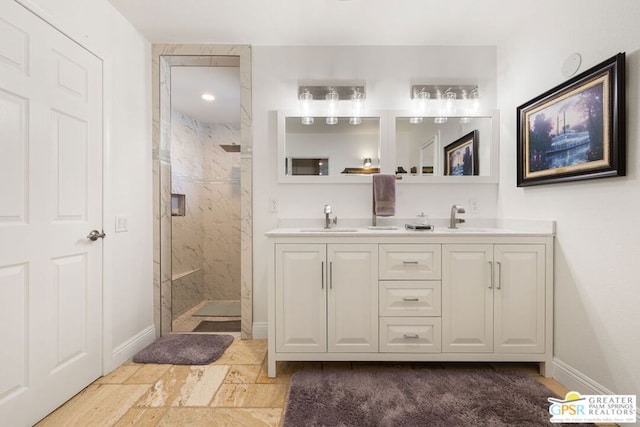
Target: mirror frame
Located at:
point(491, 178)
point(329, 179)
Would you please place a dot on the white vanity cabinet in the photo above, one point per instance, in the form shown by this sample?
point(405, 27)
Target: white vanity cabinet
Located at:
point(493, 298)
point(407, 296)
point(326, 298)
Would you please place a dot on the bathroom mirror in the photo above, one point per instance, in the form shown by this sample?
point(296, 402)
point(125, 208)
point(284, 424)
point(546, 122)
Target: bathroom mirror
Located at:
point(325, 153)
point(421, 147)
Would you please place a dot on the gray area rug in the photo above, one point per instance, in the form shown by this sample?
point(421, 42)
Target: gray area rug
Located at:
point(218, 326)
point(219, 309)
point(185, 349)
point(424, 397)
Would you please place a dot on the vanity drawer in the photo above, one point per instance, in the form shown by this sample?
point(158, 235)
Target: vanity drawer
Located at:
point(409, 262)
point(410, 335)
point(409, 298)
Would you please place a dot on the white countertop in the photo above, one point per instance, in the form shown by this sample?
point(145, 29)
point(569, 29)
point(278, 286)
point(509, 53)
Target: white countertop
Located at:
point(401, 232)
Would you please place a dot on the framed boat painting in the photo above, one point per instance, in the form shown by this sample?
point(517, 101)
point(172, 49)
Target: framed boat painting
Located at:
point(461, 156)
point(575, 130)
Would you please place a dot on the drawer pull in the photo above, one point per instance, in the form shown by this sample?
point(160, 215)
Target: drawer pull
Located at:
point(410, 299)
point(410, 262)
point(411, 336)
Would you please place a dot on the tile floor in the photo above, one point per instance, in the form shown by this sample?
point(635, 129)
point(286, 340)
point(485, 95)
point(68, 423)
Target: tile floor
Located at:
point(232, 391)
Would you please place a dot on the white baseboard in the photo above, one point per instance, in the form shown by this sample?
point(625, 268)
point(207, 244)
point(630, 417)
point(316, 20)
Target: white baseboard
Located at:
point(575, 380)
point(129, 348)
point(260, 330)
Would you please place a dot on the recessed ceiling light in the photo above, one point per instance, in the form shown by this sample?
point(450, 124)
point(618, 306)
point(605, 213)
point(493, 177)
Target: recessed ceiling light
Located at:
point(208, 97)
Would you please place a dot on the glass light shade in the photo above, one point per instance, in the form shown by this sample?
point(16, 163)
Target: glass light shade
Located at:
point(420, 99)
point(305, 99)
point(355, 120)
point(415, 120)
point(474, 98)
point(465, 120)
point(367, 162)
point(332, 106)
point(357, 101)
point(450, 102)
point(440, 120)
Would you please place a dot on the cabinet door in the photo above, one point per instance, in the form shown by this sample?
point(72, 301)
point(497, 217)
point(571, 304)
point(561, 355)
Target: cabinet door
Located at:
point(353, 298)
point(467, 299)
point(301, 303)
point(519, 298)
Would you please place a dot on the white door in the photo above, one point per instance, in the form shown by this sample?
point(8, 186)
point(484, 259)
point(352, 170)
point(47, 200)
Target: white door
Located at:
point(467, 299)
point(519, 298)
point(352, 324)
point(301, 302)
point(50, 199)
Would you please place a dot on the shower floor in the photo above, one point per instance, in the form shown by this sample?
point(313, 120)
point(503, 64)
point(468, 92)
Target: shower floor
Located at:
point(219, 308)
point(188, 321)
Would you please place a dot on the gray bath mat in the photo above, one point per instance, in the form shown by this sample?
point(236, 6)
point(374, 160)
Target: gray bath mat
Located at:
point(185, 349)
point(218, 326)
point(425, 397)
point(219, 309)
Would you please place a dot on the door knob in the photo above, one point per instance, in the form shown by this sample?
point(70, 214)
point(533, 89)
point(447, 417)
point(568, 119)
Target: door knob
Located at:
point(95, 235)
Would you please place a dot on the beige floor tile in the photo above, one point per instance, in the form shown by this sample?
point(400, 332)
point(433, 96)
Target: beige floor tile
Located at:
point(242, 374)
point(185, 386)
point(553, 385)
point(284, 370)
point(244, 352)
point(120, 375)
point(221, 417)
point(149, 373)
point(251, 395)
point(97, 405)
point(141, 417)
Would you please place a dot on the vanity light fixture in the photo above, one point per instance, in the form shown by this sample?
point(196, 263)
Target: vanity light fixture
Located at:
point(208, 97)
point(367, 162)
point(446, 100)
point(306, 98)
point(331, 95)
point(332, 107)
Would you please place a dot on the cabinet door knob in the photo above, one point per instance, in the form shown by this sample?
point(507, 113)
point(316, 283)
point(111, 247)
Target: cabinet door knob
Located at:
point(322, 273)
point(410, 262)
point(410, 299)
point(499, 286)
point(411, 336)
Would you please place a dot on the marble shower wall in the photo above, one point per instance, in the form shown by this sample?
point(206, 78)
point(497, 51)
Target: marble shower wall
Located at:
point(207, 238)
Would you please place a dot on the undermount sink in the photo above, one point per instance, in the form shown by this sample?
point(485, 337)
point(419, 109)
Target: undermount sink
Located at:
point(382, 227)
point(328, 230)
point(464, 229)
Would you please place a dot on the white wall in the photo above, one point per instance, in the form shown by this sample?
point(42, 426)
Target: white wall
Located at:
point(388, 72)
point(128, 274)
point(597, 287)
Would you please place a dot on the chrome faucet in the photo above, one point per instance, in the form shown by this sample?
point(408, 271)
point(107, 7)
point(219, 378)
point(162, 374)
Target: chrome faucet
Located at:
point(327, 220)
point(453, 221)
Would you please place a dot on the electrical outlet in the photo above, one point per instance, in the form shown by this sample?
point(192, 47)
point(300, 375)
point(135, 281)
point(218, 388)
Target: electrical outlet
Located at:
point(473, 205)
point(121, 223)
point(274, 205)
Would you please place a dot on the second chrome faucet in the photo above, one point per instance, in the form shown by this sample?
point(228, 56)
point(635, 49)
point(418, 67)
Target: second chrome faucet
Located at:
point(453, 221)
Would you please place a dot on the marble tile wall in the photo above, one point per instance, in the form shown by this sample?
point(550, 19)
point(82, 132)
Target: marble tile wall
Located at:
point(207, 238)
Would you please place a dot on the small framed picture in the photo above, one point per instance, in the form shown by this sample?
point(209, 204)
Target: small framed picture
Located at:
point(575, 130)
point(461, 156)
